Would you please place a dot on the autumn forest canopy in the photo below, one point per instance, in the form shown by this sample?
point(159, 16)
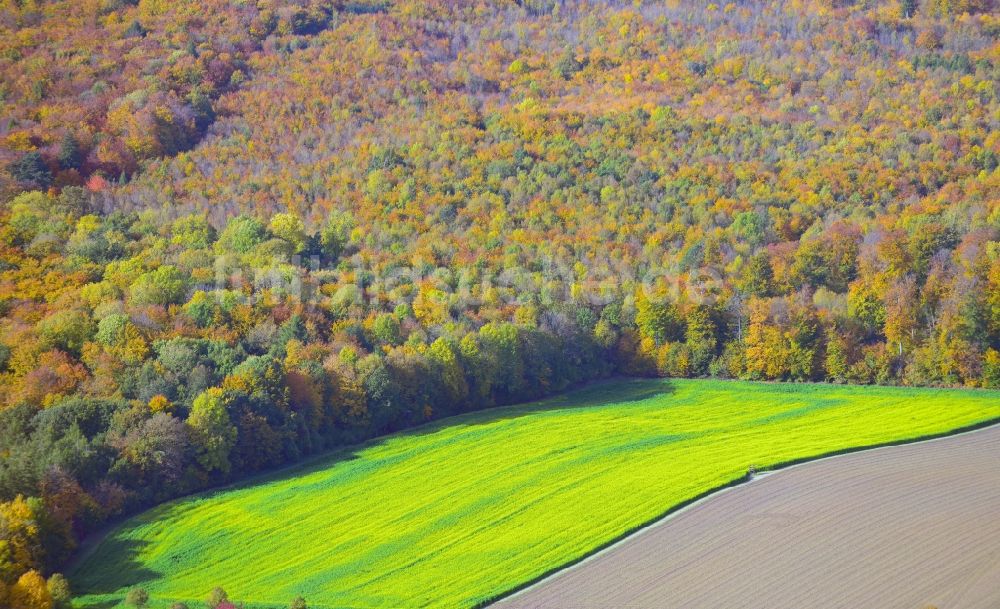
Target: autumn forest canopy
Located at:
point(234, 234)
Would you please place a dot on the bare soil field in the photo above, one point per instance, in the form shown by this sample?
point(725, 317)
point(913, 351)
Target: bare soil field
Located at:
point(905, 527)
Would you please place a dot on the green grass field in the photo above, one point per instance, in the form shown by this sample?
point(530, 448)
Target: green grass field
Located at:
point(458, 512)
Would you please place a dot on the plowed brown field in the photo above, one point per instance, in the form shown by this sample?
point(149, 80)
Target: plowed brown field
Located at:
point(905, 527)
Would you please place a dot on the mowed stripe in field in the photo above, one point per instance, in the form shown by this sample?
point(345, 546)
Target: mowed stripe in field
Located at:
point(904, 527)
point(460, 512)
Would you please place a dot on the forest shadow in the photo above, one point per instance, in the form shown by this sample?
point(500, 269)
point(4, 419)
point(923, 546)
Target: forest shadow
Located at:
point(591, 395)
point(118, 555)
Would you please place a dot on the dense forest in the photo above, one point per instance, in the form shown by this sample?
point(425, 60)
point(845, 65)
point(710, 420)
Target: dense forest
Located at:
point(234, 234)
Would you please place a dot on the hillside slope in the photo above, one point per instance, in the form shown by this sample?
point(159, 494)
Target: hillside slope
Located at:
point(236, 234)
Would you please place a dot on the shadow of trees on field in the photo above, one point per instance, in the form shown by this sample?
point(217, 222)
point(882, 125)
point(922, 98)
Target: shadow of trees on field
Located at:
point(112, 563)
point(591, 395)
point(601, 393)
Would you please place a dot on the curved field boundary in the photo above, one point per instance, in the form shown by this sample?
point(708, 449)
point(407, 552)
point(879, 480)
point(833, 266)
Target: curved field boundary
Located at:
point(605, 567)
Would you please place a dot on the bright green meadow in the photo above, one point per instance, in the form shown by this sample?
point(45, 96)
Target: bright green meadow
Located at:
point(461, 511)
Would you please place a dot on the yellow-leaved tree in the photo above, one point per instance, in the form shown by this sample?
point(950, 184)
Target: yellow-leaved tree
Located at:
point(30, 592)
